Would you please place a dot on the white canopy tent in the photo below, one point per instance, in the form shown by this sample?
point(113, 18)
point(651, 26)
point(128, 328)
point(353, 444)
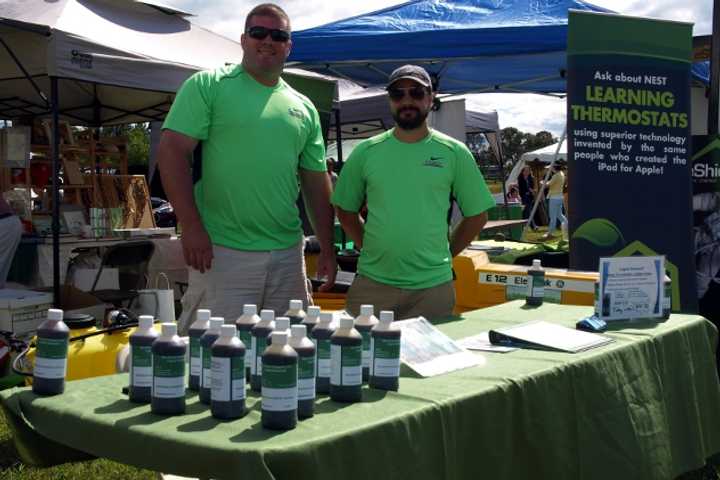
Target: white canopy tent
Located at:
point(104, 62)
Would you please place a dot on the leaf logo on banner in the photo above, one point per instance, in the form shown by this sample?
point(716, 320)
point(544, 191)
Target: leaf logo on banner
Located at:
point(600, 232)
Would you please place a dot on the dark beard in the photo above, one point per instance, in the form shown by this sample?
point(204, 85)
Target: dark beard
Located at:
point(412, 123)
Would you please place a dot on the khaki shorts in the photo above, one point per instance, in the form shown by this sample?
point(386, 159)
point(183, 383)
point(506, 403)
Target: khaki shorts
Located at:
point(431, 303)
point(268, 279)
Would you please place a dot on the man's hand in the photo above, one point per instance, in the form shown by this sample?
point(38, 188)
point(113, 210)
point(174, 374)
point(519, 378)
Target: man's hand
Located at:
point(197, 248)
point(327, 266)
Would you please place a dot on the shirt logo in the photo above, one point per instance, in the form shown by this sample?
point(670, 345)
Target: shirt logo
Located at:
point(297, 113)
point(434, 162)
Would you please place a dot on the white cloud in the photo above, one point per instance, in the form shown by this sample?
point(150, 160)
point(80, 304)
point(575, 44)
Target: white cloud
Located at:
point(530, 113)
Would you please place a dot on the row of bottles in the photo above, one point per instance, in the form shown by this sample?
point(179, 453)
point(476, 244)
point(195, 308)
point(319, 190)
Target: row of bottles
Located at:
point(289, 371)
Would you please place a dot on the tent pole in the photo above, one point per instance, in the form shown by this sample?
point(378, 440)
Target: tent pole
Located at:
point(24, 71)
point(714, 98)
point(338, 142)
point(547, 175)
point(55, 149)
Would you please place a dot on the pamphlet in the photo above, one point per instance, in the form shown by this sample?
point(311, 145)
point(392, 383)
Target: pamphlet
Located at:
point(631, 287)
point(546, 335)
point(429, 352)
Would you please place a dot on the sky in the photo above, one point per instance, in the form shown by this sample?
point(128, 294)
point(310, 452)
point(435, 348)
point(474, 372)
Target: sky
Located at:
point(530, 113)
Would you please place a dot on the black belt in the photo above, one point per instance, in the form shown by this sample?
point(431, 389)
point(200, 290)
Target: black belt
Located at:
point(6, 215)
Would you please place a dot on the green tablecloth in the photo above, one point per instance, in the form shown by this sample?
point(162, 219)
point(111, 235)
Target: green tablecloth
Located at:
point(644, 407)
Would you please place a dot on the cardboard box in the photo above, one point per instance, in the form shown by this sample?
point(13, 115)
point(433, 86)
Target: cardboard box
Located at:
point(74, 300)
point(21, 311)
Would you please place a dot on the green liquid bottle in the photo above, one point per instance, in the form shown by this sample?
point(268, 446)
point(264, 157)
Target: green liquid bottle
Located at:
point(206, 342)
point(667, 299)
point(168, 388)
point(279, 384)
point(321, 338)
point(244, 325)
point(536, 285)
point(50, 369)
point(305, 349)
point(282, 324)
point(141, 371)
point(346, 363)
point(385, 354)
point(312, 318)
point(202, 321)
point(364, 325)
point(259, 338)
point(295, 313)
point(227, 395)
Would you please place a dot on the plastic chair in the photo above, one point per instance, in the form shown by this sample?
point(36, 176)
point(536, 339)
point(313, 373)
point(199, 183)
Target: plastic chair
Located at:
point(131, 259)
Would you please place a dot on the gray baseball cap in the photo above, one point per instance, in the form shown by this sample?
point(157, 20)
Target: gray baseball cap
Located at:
point(411, 72)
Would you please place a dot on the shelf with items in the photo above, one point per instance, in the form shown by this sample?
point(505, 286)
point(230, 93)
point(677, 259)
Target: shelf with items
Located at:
point(84, 157)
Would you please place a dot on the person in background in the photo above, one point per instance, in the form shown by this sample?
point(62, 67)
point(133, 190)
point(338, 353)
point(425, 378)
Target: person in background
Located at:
point(331, 171)
point(408, 175)
point(526, 185)
point(261, 143)
point(513, 196)
point(555, 200)
point(10, 234)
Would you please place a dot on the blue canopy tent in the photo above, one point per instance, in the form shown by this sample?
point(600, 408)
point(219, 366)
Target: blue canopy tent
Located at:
point(468, 45)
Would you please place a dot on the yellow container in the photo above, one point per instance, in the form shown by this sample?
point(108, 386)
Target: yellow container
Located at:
point(480, 283)
point(93, 356)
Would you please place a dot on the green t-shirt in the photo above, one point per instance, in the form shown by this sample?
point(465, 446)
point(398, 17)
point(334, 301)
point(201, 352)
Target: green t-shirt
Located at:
point(407, 187)
point(254, 139)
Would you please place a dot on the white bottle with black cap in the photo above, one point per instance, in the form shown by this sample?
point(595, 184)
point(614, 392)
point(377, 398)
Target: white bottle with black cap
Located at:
point(346, 363)
point(141, 372)
point(245, 324)
point(259, 338)
point(320, 336)
point(279, 384)
point(364, 324)
point(199, 326)
point(168, 388)
point(50, 368)
point(305, 349)
point(227, 396)
point(385, 353)
point(206, 342)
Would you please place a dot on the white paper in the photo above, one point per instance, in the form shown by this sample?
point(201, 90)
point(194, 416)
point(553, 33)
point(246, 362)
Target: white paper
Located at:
point(555, 336)
point(430, 352)
point(631, 287)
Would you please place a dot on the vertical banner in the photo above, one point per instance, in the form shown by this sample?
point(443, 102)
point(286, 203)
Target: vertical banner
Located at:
point(706, 222)
point(629, 147)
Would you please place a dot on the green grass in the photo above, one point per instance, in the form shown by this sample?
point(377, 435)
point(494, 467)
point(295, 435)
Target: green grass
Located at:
point(11, 467)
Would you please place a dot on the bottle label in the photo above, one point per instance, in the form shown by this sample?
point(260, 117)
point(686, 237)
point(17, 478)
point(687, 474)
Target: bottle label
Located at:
point(365, 348)
point(385, 357)
point(246, 338)
point(51, 358)
point(279, 388)
point(206, 377)
point(228, 379)
point(536, 286)
point(306, 378)
point(257, 348)
point(323, 358)
point(168, 376)
point(346, 365)
point(195, 361)
point(141, 366)
point(667, 299)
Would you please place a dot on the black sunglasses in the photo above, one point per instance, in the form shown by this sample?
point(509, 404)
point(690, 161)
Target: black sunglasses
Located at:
point(416, 93)
point(260, 33)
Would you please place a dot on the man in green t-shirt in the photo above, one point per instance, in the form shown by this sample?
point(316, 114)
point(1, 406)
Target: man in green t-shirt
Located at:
point(408, 176)
point(241, 232)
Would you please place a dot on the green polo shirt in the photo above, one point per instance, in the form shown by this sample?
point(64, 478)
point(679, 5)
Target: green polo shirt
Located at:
point(254, 139)
point(407, 187)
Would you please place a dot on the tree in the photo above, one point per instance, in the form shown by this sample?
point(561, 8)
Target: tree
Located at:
point(515, 142)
